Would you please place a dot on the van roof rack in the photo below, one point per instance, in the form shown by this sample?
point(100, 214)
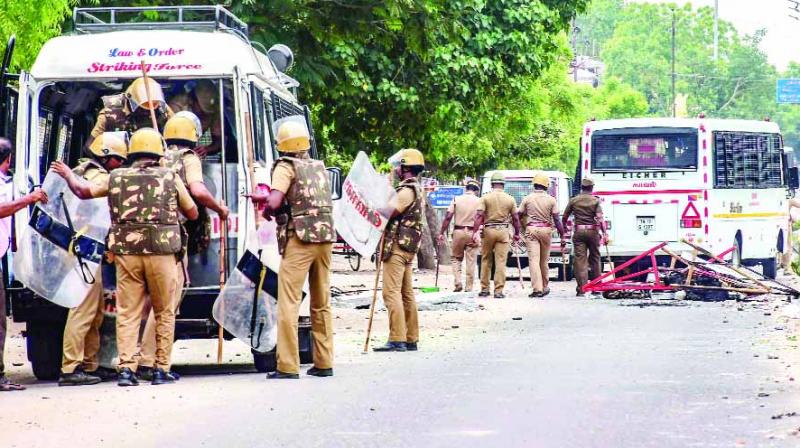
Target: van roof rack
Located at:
point(190, 18)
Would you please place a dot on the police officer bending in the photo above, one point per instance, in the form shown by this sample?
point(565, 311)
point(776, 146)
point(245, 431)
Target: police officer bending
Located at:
point(145, 237)
point(79, 365)
point(301, 202)
point(588, 235)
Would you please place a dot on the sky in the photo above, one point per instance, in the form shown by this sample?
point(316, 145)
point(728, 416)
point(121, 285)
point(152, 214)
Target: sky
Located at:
point(782, 42)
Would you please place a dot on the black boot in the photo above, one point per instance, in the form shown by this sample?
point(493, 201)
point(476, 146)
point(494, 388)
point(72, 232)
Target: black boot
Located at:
point(77, 378)
point(126, 378)
point(391, 346)
point(278, 375)
point(161, 377)
point(411, 346)
point(319, 372)
point(499, 295)
point(483, 294)
point(104, 373)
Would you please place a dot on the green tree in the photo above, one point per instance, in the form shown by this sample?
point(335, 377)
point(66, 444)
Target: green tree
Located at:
point(33, 22)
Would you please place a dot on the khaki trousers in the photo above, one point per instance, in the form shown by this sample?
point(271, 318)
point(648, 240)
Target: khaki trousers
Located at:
point(136, 276)
point(464, 250)
point(537, 241)
point(314, 259)
point(496, 241)
point(587, 256)
point(398, 296)
point(147, 354)
point(82, 331)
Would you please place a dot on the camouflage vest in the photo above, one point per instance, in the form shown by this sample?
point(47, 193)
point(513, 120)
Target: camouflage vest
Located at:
point(144, 211)
point(310, 205)
point(405, 229)
point(119, 116)
point(198, 231)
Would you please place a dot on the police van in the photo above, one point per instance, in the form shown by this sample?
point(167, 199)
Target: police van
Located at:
point(519, 183)
point(52, 110)
point(723, 184)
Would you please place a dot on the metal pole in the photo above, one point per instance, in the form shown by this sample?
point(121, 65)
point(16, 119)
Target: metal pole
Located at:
point(716, 29)
point(674, 111)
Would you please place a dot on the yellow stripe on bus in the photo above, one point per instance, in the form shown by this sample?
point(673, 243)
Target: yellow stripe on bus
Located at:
point(749, 215)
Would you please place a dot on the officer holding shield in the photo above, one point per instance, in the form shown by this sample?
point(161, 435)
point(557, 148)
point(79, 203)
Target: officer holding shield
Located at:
point(300, 201)
point(79, 364)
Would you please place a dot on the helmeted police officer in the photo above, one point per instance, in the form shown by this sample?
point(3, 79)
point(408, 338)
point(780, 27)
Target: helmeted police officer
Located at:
point(300, 200)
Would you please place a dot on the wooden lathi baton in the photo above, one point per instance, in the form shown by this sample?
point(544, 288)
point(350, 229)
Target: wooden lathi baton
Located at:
point(374, 293)
point(153, 119)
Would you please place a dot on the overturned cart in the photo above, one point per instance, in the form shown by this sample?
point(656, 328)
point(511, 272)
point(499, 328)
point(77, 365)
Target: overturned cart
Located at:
point(698, 275)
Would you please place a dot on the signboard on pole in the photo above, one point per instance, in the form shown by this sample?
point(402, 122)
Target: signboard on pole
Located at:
point(788, 91)
point(443, 195)
point(365, 207)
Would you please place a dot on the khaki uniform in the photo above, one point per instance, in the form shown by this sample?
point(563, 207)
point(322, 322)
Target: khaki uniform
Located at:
point(82, 331)
point(586, 242)
point(209, 122)
point(190, 169)
point(305, 238)
point(464, 208)
point(402, 239)
point(116, 115)
point(538, 209)
point(498, 208)
point(145, 237)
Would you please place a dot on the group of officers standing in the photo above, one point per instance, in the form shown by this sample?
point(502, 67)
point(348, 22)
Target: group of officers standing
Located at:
point(493, 222)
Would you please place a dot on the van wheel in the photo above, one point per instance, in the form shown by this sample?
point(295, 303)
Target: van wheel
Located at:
point(265, 362)
point(44, 343)
point(770, 268)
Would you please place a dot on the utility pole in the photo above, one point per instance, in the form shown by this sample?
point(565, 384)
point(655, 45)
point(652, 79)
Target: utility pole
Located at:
point(575, 31)
point(716, 29)
point(674, 75)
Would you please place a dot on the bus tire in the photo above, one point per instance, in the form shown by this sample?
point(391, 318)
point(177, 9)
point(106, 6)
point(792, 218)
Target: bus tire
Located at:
point(769, 268)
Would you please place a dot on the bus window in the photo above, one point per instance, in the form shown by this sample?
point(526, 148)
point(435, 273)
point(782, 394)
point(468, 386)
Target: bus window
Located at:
point(747, 160)
point(257, 115)
point(643, 149)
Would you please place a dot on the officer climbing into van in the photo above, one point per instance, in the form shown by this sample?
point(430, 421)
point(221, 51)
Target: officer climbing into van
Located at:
point(300, 201)
point(79, 365)
point(539, 211)
point(401, 241)
point(464, 249)
point(130, 111)
point(202, 101)
point(145, 237)
point(588, 235)
point(181, 134)
point(497, 210)
point(8, 207)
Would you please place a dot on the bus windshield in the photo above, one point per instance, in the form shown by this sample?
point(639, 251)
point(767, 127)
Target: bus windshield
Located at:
point(644, 149)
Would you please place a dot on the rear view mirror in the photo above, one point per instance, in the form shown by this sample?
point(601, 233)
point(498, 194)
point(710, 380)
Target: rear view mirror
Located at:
point(335, 180)
point(794, 178)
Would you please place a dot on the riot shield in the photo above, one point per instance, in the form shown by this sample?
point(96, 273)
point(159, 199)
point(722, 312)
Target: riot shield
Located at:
point(60, 249)
point(247, 305)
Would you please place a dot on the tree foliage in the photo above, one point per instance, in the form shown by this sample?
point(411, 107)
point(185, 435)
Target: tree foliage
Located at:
point(33, 22)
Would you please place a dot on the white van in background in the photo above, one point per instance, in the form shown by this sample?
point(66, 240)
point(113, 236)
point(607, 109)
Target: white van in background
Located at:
point(519, 183)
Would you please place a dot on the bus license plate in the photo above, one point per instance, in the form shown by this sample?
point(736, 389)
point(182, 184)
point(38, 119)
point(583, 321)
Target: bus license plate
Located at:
point(645, 223)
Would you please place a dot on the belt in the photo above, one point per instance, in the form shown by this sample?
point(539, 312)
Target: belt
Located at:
point(586, 227)
point(496, 224)
point(539, 224)
point(462, 227)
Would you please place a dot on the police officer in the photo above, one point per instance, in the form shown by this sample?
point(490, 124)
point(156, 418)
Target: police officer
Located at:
point(79, 365)
point(300, 200)
point(181, 133)
point(401, 242)
point(539, 213)
point(9, 206)
point(463, 209)
point(145, 237)
point(496, 211)
point(589, 233)
point(130, 110)
point(202, 101)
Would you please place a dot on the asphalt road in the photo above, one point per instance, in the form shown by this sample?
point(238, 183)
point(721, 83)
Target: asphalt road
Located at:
point(559, 372)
